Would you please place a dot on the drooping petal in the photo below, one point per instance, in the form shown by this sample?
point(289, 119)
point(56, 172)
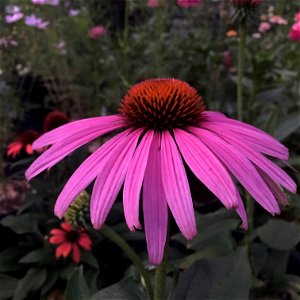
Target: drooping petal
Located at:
point(241, 168)
point(176, 186)
point(240, 209)
point(254, 137)
point(133, 181)
point(208, 169)
point(155, 205)
point(76, 254)
point(28, 149)
point(63, 249)
point(95, 124)
point(86, 173)
point(111, 177)
point(64, 147)
point(275, 172)
point(275, 188)
point(57, 239)
point(85, 242)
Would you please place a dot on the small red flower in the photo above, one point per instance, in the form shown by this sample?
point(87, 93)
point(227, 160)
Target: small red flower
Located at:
point(23, 141)
point(70, 239)
point(55, 119)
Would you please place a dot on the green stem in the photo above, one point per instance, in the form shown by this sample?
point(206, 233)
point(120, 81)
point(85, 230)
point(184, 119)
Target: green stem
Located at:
point(241, 56)
point(117, 239)
point(161, 272)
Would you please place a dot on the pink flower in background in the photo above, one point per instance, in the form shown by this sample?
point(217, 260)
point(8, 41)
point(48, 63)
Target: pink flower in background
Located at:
point(74, 12)
point(34, 21)
point(14, 13)
point(97, 31)
point(7, 41)
point(189, 3)
point(295, 32)
point(164, 123)
point(278, 20)
point(297, 17)
point(49, 2)
point(264, 26)
point(154, 3)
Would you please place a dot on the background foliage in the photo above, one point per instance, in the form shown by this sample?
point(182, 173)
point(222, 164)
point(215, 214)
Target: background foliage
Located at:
point(63, 68)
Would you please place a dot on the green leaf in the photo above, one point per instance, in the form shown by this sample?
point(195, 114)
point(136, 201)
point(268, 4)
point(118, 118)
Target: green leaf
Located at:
point(125, 290)
point(88, 258)
point(31, 282)
point(271, 125)
point(26, 223)
point(50, 281)
point(8, 286)
point(77, 287)
point(40, 256)
point(9, 259)
point(225, 278)
point(259, 257)
point(279, 234)
point(287, 127)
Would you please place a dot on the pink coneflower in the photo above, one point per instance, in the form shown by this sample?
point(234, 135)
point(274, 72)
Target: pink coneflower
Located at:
point(154, 3)
point(70, 240)
point(164, 122)
point(264, 26)
point(23, 141)
point(97, 31)
point(34, 21)
point(14, 14)
point(189, 3)
point(295, 32)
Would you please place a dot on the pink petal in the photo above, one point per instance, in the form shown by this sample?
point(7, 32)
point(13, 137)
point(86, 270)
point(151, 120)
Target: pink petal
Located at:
point(111, 177)
point(275, 188)
point(81, 126)
point(85, 174)
point(208, 169)
point(176, 186)
point(155, 205)
point(248, 134)
point(275, 172)
point(64, 147)
point(241, 168)
point(133, 181)
point(240, 209)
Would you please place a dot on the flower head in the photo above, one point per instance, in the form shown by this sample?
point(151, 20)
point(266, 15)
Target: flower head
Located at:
point(34, 21)
point(97, 31)
point(70, 240)
point(264, 26)
point(231, 33)
point(154, 3)
point(55, 119)
point(279, 20)
point(23, 141)
point(165, 123)
point(295, 32)
point(189, 3)
point(43, 2)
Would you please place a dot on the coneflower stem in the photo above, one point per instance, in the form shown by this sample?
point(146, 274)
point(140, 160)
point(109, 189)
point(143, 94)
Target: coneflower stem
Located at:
point(117, 239)
point(161, 272)
point(241, 56)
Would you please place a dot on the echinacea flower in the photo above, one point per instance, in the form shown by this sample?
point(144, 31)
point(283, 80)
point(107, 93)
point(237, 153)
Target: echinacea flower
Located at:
point(295, 32)
point(97, 31)
point(155, 3)
point(70, 240)
point(24, 141)
point(165, 123)
point(189, 3)
point(14, 17)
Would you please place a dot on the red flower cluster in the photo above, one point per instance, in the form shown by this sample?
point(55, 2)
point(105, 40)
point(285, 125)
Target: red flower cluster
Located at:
point(69, 240)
